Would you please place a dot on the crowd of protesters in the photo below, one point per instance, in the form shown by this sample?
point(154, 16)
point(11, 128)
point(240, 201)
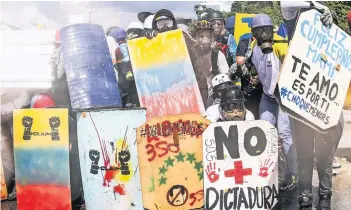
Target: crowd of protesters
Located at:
point(235, 84)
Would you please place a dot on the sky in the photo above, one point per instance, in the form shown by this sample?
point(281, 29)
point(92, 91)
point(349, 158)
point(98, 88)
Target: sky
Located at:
point(55, 14)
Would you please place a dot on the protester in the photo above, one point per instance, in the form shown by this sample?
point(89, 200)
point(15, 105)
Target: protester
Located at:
point(244, 71)
point(108, 31)
point(126, 81)
point(135, 30)
point(223, 39)
point(164, 21)
point(231, 107)
point(149, 32)
point(268, 58)
point(59, 90)
point(143, 15)
point(307, 140)
point(209, 63)
point(44, 100)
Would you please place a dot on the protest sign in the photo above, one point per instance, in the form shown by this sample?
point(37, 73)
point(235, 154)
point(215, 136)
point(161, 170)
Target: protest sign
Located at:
point(316, 72)
point(240, 165)
point(109, 159)
point(170, 160)
point(242, 26)
point(41, 159)
point(164, 75)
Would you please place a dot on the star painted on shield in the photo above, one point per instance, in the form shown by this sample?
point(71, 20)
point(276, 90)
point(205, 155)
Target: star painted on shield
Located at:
point(191, 157)
point(169, 162)
point(163, 170)
point(198, 166)
point(200, 175)
point(180, 157)
point(162, 180)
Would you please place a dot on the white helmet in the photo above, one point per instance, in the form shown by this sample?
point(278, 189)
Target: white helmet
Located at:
point(148, 22)
point(220, 79)
point(136, 24)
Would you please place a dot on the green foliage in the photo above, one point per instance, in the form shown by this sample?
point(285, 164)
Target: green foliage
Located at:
point(272, 8)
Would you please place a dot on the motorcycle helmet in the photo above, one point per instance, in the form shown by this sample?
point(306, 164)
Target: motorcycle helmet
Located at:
point(41, 101)
point(119, 34)
point(232, 107)
point(219, 83)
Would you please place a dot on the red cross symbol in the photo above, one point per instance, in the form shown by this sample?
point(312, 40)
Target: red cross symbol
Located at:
point(238, 172)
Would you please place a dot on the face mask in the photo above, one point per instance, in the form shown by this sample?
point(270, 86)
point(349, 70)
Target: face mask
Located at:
point(204, 39)
point(164, 25)
point(218, 27)
point(264, 36)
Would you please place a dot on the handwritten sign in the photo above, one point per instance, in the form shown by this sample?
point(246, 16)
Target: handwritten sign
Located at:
point(41, 146)
point(316, 72)
point(108, 158)
point(240, 165)
point(170, 160)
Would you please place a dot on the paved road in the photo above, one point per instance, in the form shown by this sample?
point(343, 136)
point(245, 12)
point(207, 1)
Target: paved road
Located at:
point(341, 199)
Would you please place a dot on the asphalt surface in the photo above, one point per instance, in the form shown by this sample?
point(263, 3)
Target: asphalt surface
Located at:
point(341, 199)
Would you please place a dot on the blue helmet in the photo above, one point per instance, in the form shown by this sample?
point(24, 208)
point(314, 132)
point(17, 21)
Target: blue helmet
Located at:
point(261, 20)
point(119, 34)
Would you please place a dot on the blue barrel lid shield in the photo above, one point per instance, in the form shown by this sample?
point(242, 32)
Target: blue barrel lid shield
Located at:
point(91, 78)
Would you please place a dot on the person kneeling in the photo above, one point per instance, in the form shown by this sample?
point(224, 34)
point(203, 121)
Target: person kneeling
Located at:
point(231, 107)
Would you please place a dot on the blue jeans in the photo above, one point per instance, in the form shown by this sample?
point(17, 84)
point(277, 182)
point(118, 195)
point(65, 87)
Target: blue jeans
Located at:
point(270, 111)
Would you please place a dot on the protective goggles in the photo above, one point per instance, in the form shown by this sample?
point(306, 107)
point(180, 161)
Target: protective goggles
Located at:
point(263, 32)
point(230, 107)
point(165, 23)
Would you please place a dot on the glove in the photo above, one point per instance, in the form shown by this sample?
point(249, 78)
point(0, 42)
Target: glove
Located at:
point(326, 17)
point(248, 54)
point(150, 33)
point(233, 70)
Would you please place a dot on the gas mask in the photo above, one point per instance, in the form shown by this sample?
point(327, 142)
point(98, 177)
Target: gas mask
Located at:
point(164, 25)
point(233, 111)
point(218, 27)
point(264, 36)
point(205, 39)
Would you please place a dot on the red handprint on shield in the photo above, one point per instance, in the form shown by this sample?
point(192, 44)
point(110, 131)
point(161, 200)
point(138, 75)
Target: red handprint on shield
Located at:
point(264, 168)
point(212, 173)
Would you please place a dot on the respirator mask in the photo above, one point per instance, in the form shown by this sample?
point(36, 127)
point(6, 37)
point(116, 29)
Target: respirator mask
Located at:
point(264, 36)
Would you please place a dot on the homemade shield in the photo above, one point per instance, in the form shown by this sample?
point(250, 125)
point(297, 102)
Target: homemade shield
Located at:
point(109, 159)
point(240, 165)
point(164, 75)
point(41, 159)
point(170, 159)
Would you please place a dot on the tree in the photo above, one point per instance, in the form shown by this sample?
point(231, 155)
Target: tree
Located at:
point(272, 8)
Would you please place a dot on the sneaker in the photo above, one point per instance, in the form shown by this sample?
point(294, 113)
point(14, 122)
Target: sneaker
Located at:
point(129, 76)
point(289, 184)
point(336, 164)
point(305, 202)
point(324, 202)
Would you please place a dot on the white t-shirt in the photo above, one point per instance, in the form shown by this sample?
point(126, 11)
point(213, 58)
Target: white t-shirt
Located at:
point(268, 67)
point(213, 114)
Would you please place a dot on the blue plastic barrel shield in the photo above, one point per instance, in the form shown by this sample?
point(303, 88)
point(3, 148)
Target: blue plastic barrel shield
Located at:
point(90, 73)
